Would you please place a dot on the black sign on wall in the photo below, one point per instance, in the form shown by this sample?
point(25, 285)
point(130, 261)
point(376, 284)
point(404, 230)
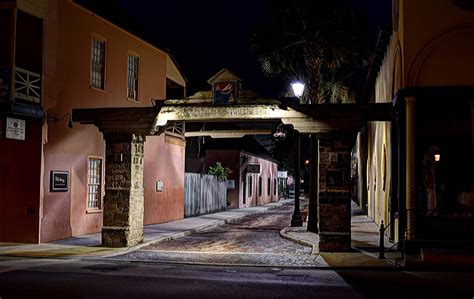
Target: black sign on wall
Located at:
point(253, 168)
point(334, 178)
point(59, 181)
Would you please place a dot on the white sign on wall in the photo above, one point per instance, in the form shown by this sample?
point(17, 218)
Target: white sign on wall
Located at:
point(282, 174)
point(15, 129)
point(159, 186)
point(230, 184)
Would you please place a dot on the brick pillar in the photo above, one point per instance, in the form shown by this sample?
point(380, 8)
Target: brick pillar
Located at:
point(334, 200)
point(123, 201)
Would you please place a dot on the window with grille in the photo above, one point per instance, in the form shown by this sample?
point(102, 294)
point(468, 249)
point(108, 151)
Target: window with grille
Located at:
point(94, 183)
point(249, 185)
point(275, 184)
point(269, 186)
point(98, 64)
point(132, 86)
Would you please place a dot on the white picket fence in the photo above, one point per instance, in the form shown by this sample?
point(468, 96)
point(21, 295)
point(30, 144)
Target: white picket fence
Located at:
point(203, 194)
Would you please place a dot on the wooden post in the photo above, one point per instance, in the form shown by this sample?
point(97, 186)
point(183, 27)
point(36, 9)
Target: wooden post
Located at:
point(410, 167)
point(296, 219)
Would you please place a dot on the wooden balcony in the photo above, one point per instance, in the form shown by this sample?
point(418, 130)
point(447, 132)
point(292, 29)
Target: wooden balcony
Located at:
point(25, 86)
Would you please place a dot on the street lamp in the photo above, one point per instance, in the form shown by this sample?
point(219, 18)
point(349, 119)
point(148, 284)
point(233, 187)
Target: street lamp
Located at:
point(298, 88)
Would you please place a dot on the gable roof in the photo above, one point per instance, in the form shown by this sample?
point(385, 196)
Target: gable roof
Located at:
point(223, 75)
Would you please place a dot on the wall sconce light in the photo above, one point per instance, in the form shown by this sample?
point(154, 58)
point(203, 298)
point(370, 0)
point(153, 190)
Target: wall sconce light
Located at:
point(306, 162)
point(437, 157)
point(56, 119)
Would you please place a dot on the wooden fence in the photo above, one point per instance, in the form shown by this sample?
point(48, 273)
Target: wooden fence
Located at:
point(203, 194)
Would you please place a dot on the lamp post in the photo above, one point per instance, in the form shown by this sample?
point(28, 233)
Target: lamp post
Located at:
point(298, 89)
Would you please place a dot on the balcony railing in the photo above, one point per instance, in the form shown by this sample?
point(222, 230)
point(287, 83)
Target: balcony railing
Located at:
point(26, 85)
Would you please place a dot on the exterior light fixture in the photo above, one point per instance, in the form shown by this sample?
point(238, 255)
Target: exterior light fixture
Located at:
point(437, 157)
point(298, 88)
point(280, 133)
point(306, 162)
point(56, 119)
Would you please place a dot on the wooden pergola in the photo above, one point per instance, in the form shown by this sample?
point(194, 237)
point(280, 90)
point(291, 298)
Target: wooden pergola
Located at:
point(335, 126)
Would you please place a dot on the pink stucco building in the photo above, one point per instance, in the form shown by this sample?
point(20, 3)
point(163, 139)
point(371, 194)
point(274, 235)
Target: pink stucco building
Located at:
point(81, 61)
point(253, 180)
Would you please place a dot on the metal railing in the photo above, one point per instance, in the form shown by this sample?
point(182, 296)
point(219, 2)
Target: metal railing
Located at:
point(382, 230)
point(26, 85)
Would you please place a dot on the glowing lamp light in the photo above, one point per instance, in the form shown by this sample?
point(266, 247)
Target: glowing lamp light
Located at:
point(298, 88)
point(437, 157)
point(306, 162)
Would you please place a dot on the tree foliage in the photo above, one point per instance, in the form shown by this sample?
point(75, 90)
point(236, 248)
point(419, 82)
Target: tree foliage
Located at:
point(317, 41)
point(221, 172)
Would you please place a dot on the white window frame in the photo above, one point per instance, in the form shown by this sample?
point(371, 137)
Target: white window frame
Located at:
point(103, 67)
point(133, 83)
point(94, 179)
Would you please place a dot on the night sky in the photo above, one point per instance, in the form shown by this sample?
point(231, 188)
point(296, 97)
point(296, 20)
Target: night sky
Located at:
point(205, 36)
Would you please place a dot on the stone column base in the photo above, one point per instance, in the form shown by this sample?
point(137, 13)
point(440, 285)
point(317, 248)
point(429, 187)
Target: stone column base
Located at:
point(119, 237)
point(335, 242)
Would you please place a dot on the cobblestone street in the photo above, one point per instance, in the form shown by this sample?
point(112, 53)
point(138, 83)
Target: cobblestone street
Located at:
point(252, 240)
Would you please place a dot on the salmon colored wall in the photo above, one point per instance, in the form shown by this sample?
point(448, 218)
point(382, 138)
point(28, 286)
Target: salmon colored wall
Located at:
point(267, 169)
point(64, 213)
point(68, 32)
point(163, 161)
point(20, 166)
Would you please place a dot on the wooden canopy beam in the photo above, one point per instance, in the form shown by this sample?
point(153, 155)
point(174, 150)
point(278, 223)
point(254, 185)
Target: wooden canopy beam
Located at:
point(139, 121)
point(322, 118)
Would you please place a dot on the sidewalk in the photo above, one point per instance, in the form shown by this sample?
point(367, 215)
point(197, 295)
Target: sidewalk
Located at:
point(365, 240)
point(90, 245)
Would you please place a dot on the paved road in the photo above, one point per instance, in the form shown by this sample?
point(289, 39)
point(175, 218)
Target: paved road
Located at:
point(254, 240)
point(48, 278)
point(61, 278)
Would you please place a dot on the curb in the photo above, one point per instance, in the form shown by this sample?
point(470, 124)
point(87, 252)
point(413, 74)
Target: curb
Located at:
point(315, 251)
point(284, 235)
point(204, 264)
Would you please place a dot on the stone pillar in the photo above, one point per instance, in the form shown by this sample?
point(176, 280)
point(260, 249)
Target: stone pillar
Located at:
point(123, 201)
point(334, 199)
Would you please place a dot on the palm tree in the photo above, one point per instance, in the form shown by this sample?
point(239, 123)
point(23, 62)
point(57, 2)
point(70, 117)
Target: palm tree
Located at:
point(317, 41)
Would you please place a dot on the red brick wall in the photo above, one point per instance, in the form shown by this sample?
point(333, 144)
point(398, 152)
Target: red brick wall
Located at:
point(20, 174)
